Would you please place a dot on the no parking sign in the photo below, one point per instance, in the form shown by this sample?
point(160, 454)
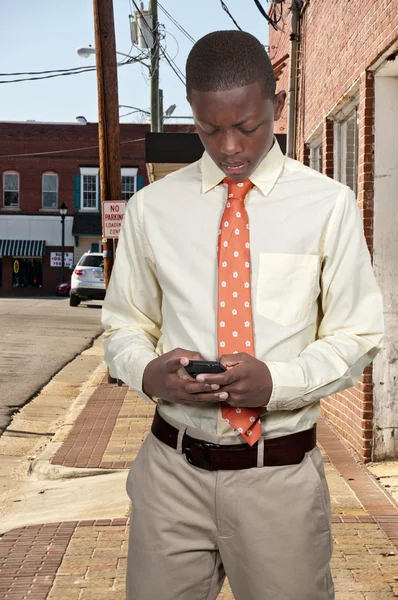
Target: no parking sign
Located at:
point(112, 217)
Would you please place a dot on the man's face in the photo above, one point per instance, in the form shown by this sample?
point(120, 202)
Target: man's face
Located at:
point(236, 126)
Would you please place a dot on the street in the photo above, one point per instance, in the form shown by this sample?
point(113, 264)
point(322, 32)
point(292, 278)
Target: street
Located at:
point(39, 336)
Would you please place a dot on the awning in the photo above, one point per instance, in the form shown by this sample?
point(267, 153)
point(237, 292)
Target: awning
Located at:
point(87, 224)
point(22, 248)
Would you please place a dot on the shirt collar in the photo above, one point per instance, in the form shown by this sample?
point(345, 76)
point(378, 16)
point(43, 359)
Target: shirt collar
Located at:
point(264, 177)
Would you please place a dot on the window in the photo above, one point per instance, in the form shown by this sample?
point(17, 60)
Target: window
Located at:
point(346, 150)
point(11, 189)
point(91, 260)
point(89, 188)
point(50, 190)
point(27, 273)
point(89, 191)
point(129, 185)
point(316, 157)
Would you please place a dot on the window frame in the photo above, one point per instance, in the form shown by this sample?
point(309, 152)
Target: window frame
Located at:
point(316, 154)
point(11, 206)
point(43, 191)
point(89, 171)
point(129, 172)
point(340, 149)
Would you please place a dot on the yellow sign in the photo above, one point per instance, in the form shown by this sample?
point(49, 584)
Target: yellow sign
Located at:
point(16, 266)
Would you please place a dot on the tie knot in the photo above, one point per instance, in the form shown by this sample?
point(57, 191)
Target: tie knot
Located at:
point(238, 190)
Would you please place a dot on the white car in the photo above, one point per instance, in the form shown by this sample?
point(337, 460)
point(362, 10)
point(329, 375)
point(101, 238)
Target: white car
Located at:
point(88, 281)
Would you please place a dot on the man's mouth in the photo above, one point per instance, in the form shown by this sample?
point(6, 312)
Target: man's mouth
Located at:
point(234, 168)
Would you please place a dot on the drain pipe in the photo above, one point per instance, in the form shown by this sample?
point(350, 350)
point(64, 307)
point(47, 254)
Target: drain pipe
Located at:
point(294, 35)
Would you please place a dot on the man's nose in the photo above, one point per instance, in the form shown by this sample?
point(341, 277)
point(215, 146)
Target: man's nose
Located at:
point(230, 143)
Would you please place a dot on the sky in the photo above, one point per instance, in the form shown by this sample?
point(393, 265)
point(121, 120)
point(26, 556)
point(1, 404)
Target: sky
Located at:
point(41, 35)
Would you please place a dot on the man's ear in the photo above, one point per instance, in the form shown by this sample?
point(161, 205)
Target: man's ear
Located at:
point(279, 104)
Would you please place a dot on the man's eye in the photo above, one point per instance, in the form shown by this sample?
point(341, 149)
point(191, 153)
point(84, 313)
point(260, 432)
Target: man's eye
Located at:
point(249, 131)
point(211, 132)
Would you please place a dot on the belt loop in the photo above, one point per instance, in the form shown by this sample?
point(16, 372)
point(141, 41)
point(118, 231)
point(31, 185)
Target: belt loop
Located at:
point(260, 452)
point(181, 433)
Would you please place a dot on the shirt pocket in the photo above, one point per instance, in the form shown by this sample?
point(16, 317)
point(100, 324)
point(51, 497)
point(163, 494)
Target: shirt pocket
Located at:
point(286, 286)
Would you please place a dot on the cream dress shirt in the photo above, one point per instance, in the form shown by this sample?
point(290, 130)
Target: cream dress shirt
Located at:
point(317, 309)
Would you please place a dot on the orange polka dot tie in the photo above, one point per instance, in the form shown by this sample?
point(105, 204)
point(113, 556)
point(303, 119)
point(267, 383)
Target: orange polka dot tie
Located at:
point(235, 328)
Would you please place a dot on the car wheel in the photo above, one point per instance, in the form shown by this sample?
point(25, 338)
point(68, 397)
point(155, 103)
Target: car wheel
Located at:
point(74, 300)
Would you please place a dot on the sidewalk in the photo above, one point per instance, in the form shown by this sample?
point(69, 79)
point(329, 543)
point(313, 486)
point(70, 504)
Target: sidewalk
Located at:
point(85, 559)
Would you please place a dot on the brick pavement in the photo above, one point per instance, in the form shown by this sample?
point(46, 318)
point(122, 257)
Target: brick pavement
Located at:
point(89, 438)
point(86, 560)
point(109, 431)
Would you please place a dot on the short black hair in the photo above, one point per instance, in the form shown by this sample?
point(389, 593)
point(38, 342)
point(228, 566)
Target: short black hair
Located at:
point(223, 60)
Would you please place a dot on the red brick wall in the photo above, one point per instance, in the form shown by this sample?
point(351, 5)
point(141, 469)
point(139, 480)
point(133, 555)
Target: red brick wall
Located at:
point(279, 46)
point(31, 138)
point(339, 42)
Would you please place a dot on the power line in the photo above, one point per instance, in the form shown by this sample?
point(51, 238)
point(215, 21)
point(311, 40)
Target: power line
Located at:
point(86, 70)
point(142, 16)
point(174, 38)
point(225, 7)
point(173, 65)
point(177, 24)
point(262, 11)
point(64, 151)
point(167, 55)
point(168, 58)
point(45, 72)
point(82, 68)
point(66, 72)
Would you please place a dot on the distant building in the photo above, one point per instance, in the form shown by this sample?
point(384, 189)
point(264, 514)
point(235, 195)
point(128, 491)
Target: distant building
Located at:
point(344, 123)
point(43, 165)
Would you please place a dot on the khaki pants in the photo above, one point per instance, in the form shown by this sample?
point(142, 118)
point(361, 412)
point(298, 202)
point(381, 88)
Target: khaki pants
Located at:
point(268, 529)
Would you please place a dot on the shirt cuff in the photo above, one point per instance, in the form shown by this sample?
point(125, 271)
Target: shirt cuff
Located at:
point(138, 374)
point(131, 370)
point(288, 386)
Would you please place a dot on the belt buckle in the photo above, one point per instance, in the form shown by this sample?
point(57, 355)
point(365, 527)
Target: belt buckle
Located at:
point(206, 447)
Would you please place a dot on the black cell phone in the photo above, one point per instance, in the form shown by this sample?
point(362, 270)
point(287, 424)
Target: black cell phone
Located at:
point(196, 367)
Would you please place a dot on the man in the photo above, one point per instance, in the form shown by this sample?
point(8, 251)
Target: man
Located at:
point(230, 479)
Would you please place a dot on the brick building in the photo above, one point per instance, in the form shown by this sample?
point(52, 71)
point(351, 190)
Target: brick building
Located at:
point(43, 165)
point(342, 119)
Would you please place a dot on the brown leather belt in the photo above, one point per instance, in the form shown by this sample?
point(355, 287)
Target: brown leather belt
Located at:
point(285, 450)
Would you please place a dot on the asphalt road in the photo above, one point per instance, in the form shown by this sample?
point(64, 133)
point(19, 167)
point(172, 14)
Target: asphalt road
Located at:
point(38, 337)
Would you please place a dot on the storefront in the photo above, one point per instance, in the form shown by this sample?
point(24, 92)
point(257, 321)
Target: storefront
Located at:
point(27, 272)
point(27, 268)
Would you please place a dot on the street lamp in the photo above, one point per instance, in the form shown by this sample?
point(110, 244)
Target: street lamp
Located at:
point(63, 210)
point(86, 51)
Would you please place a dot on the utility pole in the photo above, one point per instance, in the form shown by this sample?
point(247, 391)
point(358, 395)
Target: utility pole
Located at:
point(161, 115)
point(155, 112)
point(108, 116)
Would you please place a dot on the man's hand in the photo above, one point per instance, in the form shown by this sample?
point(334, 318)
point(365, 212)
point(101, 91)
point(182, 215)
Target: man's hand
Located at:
point(247, 380)
point(161, 379)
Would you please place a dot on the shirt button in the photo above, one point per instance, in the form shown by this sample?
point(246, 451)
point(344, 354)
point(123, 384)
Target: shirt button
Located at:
point(216, 188)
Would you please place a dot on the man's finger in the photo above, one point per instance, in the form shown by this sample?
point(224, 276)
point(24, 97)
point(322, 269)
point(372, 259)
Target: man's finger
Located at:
point(174, 364)
point(190, 392)
point(233, 359)
point(225, 378)
point(195, 387)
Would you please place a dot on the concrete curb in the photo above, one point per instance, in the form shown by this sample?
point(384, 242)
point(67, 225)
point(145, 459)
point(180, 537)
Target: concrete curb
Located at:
point(40, 427)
